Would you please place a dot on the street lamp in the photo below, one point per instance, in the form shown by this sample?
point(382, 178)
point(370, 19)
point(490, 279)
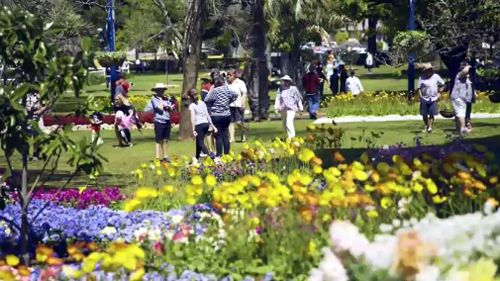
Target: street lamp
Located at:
point(111, 44)
point(411, 55)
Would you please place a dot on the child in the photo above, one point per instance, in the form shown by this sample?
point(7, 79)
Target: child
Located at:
point(123, 121)
point(95, 127)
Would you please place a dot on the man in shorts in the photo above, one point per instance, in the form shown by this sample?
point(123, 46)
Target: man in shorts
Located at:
point(237, 108)
point(161, 106)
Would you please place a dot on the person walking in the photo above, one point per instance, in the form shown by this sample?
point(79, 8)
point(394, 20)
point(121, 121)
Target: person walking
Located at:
point(322, 78)
point(35, 109)
point(288, 103)
point(237, 107)
point(343, 78)
point(353, 84)
point(219, 99)
point(123, 122)
point(311, 83)
point(334, 82)
point(429, 90)
point(201, 122)
point(161, 106)
point(369, 62)
point(461, 96)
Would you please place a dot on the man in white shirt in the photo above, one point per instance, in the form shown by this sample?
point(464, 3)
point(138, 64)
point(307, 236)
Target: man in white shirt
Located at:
point(369, 62)
point(354, 84)
point(238, 106)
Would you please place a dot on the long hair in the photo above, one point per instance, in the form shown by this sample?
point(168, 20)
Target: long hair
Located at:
point(192, 95)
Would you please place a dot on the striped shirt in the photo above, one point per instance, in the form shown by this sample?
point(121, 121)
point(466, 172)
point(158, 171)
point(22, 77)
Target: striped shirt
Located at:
point(219, 99)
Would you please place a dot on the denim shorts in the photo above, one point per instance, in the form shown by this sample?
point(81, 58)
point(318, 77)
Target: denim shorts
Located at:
point(162, 131)
point(428, 108)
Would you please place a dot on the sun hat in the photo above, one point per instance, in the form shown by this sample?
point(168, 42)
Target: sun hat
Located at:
point(427, 66)
point(286, 78)
point(159, 86)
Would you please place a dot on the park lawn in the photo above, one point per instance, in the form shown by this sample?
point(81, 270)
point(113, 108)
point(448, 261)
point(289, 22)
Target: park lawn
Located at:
point(358, 136)
point(382, 78)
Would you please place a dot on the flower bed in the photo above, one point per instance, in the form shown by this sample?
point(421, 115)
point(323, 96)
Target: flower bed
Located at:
point(269, 210)
point(144, 117)
point(385, 103)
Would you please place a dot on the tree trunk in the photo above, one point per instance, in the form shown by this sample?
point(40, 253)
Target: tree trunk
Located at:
point(291, 65)
point(372, 32)
point(191, 49)
point(452, 59)
point(24, 233)
point(258, 83)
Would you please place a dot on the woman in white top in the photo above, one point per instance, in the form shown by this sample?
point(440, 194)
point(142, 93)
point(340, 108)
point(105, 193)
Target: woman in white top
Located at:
point(430, 85)
point(353, 84)
point(200, 120)
point(460, 95)
point(288, 102)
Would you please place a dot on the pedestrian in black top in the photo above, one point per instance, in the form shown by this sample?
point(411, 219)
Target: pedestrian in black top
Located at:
point(343, 79)
point(334, 82)
point(218, 100)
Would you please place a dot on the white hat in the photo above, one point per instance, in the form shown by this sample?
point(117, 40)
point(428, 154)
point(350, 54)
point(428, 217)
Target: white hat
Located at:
point(159, 86)
point(427, 66)
point(287, 78)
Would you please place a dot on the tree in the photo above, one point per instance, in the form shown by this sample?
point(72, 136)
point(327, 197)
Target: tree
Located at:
point(36, 64)
point(294, 22)
point(191, 49)
point(458, 29)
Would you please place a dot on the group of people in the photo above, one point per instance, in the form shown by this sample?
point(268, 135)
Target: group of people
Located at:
point(430, 86)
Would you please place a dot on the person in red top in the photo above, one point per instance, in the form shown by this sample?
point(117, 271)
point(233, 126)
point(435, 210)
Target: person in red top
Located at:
point(311, 82)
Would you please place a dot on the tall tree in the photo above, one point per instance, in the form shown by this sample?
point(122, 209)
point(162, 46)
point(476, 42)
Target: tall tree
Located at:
point(191, 50)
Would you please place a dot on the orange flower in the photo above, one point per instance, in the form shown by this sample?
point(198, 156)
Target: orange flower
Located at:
point(338, 157)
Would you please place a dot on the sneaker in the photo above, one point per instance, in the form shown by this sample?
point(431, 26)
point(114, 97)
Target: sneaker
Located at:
point(194, 161)
point(203, 155)
point(130, 144)
point(166, 160)
point(429, 130)
point(243, 138)
point(424, 130)
point(34, 159)
point(212, 155)
point(466, 131)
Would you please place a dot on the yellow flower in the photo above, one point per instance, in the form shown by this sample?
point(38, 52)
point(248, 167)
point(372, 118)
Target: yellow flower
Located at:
point(317, 169)
point(211, 180)
point(383, 167)
point(417, 187)
point(312, 248)
point(81, 189)
point(7, 275)
point(306, 155)
point(255, 221)
point(197, 180)
point(12, 260)
point(386, 202)
point(372, 214)
point(168, 188)
point(360, 175)
point(146, 192)
point(431, 186)
point(438, 199)
point(131, 205)
point(137, 275)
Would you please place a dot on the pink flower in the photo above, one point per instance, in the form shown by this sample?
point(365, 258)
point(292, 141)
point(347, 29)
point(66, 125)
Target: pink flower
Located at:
point(158, 248)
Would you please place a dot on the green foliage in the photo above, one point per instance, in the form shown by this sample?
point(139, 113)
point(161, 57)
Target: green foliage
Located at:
point(38, 65)
point(341, 37)
point(108, 59)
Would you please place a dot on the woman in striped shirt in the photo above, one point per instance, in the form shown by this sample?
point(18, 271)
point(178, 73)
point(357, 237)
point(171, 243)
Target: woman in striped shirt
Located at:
point(288, 102)
point(218, 100)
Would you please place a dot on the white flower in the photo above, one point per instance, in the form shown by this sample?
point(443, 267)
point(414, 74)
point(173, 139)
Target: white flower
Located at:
point(176, 219)
point(141, 233)
point(428, 273)
point(344, 236)
point(330, 268)
point(108, 230)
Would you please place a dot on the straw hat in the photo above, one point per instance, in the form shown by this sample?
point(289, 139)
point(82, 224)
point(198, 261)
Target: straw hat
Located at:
point(427, 66)
point(159, 86)
point(286, 78)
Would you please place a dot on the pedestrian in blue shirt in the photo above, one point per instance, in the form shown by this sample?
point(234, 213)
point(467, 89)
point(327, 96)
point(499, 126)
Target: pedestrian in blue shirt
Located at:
point(161, 106)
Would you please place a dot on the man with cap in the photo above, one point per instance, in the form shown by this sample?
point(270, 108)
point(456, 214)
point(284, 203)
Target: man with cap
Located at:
point(429, 90)
point(288, 103)
point(161, 106)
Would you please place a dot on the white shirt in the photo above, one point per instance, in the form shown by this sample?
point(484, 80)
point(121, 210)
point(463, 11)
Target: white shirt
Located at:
point(429, 88)
point(329, 70)
point(200, 112)
point(288, 100)
point(353, 85)
point(240, 88)
point(369, 59)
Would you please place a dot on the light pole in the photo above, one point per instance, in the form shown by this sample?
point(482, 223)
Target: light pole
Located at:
point(411, 55)
point(111, 44)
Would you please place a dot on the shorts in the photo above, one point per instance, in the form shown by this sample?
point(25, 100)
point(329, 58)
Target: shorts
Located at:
point(428, 108)
point(460, 107)
point(162, 131)
point(237, 114)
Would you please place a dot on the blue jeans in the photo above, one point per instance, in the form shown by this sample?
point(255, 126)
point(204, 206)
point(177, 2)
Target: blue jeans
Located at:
point(313, 101)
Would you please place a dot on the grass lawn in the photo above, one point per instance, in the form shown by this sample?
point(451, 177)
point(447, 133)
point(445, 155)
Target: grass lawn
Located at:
point(382, 78)
point(357, 137)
